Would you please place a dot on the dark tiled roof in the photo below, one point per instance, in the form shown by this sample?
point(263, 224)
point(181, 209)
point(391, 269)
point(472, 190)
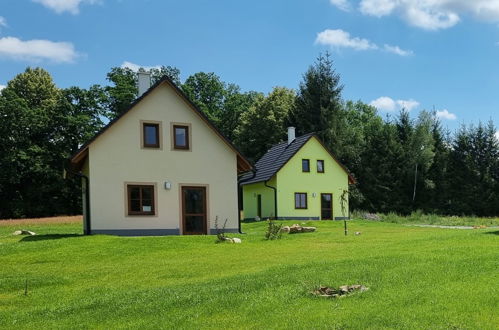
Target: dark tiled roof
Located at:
point(275, 159)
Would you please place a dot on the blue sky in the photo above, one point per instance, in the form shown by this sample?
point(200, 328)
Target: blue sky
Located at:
point(440, 54)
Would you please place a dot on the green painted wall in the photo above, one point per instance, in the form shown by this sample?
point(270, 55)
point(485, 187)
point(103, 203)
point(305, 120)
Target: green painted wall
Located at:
point(291, 179)
point(250, 197)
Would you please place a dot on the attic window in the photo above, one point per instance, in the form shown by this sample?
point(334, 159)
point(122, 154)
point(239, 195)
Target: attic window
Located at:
point(320, 166)
point(181, 137)
point(305, 165)
point(150, 135)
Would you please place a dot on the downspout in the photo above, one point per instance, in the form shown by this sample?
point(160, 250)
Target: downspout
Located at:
point(239, 198)
point(87, 228)
point(275, 198)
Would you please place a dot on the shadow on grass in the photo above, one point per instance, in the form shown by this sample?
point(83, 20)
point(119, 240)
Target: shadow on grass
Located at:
point(48, 237)
point(492, 232)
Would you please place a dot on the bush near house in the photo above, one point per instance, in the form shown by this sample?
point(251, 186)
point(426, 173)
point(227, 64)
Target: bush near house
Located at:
point(417, 277)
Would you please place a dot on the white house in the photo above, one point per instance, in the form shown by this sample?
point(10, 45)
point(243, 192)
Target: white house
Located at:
point(160, 168)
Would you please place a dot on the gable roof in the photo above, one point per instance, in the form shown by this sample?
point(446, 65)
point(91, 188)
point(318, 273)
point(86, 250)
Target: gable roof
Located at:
point(243, 165)
point(278, 156)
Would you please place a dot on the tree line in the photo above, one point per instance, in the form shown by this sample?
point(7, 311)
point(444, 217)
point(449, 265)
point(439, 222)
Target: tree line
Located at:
point(401, 164)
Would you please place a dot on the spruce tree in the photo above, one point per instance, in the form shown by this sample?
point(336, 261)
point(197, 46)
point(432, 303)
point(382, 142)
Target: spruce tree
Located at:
point(318, 102)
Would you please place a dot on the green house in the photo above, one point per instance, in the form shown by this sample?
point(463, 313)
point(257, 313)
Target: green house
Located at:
point(298, 180)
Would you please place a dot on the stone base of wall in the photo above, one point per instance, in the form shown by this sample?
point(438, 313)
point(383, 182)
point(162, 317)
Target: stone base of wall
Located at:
point(150, 232)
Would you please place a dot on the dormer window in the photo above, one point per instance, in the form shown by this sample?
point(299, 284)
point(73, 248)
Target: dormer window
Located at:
point(151, 135)
point(181, 137)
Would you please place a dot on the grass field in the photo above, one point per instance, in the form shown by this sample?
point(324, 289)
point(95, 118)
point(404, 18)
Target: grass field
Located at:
point(418, 278)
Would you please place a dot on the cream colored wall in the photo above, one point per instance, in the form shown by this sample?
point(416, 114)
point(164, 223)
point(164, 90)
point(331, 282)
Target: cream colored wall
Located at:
point(291, 179)
point(116, 157)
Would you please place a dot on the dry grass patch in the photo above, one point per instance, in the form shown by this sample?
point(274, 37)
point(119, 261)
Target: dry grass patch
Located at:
point(40, 221)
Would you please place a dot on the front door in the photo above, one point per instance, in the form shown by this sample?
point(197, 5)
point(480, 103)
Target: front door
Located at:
point(326, 206)
point(259, 206)
point(194, 217)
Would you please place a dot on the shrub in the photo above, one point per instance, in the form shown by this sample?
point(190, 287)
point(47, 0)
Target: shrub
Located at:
point(220, 231)
point(273, 230)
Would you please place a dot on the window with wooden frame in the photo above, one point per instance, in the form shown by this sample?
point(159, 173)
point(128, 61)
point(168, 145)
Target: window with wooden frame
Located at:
point(320, 166)
point(181, 137)
point(305, 165)
point(140, 200)
point(301, 201)
point(150, 135)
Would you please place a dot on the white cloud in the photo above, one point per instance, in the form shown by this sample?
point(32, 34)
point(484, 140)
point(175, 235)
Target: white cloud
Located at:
point(3, 21)
point(377, 8)
point(36, 50)
point(136, 67)
point(445, 114)
point(60, 6)
point(408, 104)
point(397, 50)
point(386, 103)
point(432, 14)
point(341, 4)
point(497, 135)
point(342, 39)
point(2, 87)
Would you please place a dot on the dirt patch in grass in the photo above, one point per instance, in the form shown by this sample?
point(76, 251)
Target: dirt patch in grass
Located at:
point(38, 221)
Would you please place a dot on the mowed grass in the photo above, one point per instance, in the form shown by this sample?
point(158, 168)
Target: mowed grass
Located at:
point(418, 278)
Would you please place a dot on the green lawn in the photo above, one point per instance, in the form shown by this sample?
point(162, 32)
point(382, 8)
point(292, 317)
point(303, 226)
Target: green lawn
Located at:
point(418, 278)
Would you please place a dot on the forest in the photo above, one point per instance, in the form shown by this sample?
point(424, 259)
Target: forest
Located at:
point(402, 163)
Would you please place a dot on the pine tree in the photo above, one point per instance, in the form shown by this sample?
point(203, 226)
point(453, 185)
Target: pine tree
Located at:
point(318, 103)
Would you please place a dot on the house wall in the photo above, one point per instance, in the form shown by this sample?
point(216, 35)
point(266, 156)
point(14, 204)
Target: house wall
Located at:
point(291, 179)
point(116, 157)
point(250, 200)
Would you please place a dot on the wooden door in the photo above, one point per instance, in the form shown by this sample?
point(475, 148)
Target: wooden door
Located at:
point(259, 206)
point(194, 217)
point(326, 206)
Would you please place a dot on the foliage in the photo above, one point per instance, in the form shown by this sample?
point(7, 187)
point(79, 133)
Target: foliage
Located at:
point(36, 140)
point(417, 279)
point(264, 123)
point(273, 230)
point(222, 103)
point(123, 91)
point(318, 102)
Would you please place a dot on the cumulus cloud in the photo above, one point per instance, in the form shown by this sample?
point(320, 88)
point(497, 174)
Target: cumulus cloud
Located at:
point(386, 103)
point(3, 21)
point(445, 114)
point(497, 135)
point(342, 39)
point(61, 6)
point(136, 67)
point(36, 50)
point(341, 4)
point(2, 87)
point(432, 14)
